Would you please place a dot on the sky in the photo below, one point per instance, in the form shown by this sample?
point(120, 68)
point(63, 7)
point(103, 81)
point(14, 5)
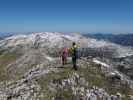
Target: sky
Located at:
point(106, 16)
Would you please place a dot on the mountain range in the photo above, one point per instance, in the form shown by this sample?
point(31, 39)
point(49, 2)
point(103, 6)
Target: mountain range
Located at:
point(31, 69)
point(122, 39)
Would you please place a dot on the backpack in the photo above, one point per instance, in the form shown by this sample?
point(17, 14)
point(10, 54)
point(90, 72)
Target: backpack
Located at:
point(78, 53)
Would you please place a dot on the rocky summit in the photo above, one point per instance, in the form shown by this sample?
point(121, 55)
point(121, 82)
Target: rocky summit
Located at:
point(31, 68)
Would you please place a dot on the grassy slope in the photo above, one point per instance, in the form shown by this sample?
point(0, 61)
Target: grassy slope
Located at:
point(91, 74)
point(5, 59)
point(97, 78)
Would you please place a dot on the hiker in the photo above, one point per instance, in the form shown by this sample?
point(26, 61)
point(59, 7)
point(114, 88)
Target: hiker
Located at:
point(64, 56)
point(73, 51)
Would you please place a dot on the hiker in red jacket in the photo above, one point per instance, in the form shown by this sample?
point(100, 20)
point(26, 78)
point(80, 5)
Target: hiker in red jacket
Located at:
point(64, 55)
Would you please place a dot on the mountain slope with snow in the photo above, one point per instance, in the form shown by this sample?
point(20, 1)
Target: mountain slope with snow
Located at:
point(58, 40)
point(31, 69)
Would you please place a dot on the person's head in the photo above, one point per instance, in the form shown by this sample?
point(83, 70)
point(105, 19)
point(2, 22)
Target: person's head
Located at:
point(74, 43)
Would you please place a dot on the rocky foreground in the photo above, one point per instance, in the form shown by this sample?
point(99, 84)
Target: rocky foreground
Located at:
point(93, 81)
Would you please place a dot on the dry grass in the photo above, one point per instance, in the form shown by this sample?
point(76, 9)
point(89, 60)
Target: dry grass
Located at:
point(5, 59)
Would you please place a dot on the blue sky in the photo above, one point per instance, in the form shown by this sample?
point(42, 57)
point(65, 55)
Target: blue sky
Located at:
point(66, 15)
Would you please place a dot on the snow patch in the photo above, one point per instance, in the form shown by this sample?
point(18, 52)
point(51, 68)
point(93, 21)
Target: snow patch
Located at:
point(101, 63)
point(49, 58)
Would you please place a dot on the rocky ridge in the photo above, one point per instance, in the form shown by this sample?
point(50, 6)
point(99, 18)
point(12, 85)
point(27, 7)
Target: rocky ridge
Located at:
point(36, 72)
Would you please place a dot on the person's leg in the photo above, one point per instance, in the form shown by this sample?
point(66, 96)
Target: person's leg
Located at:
point(74, 63)
point(63, 61)
point(66, 60)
